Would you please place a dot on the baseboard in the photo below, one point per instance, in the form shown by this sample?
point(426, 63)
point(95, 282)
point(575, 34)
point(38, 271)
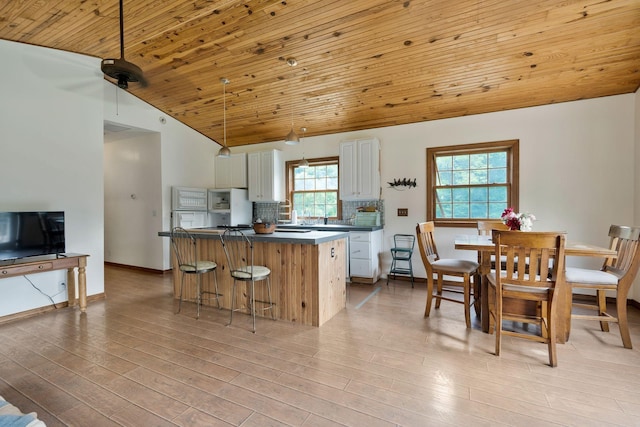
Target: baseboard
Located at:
point(46, 309)
point(365, 280)
point(135, 267)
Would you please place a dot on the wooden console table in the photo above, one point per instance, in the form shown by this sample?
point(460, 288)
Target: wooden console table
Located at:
point(49, 263)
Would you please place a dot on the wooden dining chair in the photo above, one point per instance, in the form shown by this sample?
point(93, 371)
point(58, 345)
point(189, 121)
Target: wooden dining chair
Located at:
point(484, 229)
point(485, 226)
point(536, 283)
point(616, 275)
point(446, 267)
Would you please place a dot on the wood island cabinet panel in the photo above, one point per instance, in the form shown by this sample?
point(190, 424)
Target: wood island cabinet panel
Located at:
point(308, 282)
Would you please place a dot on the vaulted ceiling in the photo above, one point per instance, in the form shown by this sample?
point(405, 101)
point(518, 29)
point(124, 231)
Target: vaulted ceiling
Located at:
point(361, 63)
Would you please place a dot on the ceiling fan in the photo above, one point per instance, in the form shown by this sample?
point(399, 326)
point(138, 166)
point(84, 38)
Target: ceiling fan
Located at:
point(120, 69)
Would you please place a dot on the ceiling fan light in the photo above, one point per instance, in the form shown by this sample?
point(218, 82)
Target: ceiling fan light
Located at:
point(292, 138)
point(224, 152)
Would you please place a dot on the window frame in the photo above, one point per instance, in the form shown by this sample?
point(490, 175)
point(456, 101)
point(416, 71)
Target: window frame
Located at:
point(511, 146)
point(290, 165)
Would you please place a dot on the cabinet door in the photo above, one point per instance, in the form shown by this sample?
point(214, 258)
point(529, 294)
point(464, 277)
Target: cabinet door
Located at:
point(360, 268)
point(368, 169)
point(266, 176)
point(348, 171)
point(266, 171)
point(223, 172)
point(231, 172)
point(255, 177)
point(360, 170)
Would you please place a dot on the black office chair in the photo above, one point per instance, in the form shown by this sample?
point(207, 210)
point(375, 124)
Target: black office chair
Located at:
point(239, 251)
point(185, 247)
point(401, 253)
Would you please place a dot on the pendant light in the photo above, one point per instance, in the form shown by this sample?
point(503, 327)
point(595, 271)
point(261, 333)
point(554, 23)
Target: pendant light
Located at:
point(304, 163)
point(291, 138)
point(224, 151)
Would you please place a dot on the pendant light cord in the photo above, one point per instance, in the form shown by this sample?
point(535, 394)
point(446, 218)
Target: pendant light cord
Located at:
point(291, 99)
point(224, 112)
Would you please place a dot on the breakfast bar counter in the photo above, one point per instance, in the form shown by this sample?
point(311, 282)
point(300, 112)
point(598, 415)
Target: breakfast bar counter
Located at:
point(308, 272)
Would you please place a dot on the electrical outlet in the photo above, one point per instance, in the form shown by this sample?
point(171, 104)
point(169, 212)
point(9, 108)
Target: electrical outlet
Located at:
point(403, 212)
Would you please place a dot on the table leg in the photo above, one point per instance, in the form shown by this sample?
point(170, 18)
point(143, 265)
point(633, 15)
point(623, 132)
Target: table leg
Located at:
point(82, 288)
point(485, 268)
point(563, 302)
point(71, 287)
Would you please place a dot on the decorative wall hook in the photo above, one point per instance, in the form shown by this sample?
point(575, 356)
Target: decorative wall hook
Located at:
point(403, 184)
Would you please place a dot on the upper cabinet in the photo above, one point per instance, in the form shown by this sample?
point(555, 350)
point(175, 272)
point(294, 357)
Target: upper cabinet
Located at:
point(360, 169)
point(231, 172)
point(266, 176)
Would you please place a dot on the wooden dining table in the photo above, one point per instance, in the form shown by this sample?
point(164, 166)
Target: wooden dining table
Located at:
point(485, 247)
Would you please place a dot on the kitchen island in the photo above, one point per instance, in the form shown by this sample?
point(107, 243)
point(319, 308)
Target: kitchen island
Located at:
point(308, 272)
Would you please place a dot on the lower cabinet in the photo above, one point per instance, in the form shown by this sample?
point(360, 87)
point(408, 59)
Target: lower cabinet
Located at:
point(364, 255)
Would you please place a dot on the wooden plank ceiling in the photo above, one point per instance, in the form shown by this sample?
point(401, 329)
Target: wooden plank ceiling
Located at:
point(361, 63)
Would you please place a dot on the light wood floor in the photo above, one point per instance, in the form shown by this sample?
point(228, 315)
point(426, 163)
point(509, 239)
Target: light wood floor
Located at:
point(130, 361)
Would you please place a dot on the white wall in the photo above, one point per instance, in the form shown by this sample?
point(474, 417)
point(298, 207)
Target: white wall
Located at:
point(133, 200)
point(577, 167)
point(51, 141)
point(186, 158)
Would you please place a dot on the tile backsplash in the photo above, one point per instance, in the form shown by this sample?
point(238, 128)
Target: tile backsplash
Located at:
point(270, 211)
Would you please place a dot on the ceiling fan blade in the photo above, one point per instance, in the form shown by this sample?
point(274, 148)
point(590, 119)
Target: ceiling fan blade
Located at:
point(65, 70)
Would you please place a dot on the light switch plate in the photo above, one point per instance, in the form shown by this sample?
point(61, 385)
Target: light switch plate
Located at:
point(403, 212)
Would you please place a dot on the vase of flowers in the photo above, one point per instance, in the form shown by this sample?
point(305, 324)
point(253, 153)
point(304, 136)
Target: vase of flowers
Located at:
point(518, 221)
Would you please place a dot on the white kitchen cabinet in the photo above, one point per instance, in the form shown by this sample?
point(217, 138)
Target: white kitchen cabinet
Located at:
point(360, 169)
point(364, 255)
point(266, 176)
point(231, 172)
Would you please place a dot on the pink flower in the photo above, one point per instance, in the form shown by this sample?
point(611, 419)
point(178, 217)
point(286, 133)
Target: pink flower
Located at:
point(517, 221)
point(507, 212)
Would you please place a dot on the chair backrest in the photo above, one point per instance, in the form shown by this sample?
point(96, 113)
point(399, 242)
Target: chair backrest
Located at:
point(238, 249)
point(404, 241)
point(485, 226)
point(624, 240)
point(426, 243)
point(185, 248)
point(531, 258)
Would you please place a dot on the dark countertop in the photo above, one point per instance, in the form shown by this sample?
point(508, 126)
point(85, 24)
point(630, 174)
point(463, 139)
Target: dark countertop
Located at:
point(311, 237)
point(332, 227)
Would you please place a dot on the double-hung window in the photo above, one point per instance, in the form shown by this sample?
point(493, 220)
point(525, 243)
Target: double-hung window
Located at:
point(313, 191)
point(466, 183)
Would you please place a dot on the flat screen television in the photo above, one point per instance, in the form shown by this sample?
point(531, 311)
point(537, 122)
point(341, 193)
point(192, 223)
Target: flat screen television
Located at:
point(28, 234)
